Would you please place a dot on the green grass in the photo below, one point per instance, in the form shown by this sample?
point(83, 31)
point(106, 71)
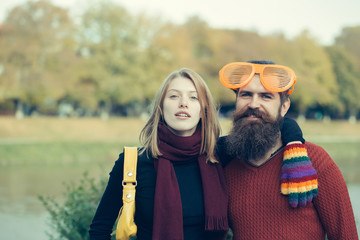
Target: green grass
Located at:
point(53, 141)
point(59, 153)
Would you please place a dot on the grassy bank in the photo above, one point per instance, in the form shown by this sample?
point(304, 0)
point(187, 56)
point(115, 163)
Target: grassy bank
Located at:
point(58, 153)
point(54, 141)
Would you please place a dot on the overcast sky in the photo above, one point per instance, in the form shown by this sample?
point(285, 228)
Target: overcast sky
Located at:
point(323, 18)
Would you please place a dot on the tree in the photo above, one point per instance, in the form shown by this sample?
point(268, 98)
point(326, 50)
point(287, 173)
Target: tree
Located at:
point(121, 55)
point(348, 78)
point(37, 44)
point(230, 46)
point(316, 84)
point(349, 39)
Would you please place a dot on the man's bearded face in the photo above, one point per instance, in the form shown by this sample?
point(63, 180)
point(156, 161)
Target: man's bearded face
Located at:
point(252, 139)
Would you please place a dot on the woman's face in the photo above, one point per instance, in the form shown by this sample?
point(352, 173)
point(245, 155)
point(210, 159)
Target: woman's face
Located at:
point(181, 107)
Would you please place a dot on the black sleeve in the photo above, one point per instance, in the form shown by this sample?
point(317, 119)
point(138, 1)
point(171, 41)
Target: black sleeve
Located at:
point(221, 154)
point(110, 204)
point(290, 131)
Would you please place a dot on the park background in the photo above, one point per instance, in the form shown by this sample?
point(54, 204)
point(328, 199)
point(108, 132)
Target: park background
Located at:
point(75, 89)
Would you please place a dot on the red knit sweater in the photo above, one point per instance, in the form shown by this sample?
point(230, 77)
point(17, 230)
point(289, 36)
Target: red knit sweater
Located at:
point(258, 210)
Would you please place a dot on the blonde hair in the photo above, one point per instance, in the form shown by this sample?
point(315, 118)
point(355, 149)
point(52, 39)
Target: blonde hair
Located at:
point(210, 127)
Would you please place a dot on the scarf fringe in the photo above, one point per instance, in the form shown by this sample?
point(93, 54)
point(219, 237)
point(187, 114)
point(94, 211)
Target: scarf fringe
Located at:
point(216, 223)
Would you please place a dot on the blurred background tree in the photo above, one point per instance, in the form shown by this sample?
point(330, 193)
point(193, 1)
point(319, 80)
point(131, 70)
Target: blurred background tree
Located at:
point(110, 62)
point(347, 75)
point(37, 45)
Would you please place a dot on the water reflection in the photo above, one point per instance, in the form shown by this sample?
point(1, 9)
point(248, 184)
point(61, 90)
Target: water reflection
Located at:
point(354, 191)
point(21, 186)
point(22, 216)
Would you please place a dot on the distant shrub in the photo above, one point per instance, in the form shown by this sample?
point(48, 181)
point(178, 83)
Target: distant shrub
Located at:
point(70, 219)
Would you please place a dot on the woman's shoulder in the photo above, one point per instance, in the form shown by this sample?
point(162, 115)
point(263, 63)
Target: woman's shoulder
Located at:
point(142, 159)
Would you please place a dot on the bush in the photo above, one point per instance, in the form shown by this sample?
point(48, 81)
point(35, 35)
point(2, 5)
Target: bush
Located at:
point(70, 220)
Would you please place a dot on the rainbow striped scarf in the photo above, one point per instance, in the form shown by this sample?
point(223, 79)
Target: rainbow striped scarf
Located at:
point(298, 177)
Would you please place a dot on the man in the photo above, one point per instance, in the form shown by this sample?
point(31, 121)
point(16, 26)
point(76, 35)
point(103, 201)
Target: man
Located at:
point(275, 191)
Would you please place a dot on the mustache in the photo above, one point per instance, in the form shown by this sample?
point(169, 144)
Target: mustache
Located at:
point(249, 112)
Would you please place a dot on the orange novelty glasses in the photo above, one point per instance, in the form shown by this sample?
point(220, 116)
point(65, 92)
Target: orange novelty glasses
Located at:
point(275, 78)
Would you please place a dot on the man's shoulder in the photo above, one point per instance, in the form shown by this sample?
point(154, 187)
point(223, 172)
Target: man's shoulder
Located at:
point(314, 147)
point(318, 155)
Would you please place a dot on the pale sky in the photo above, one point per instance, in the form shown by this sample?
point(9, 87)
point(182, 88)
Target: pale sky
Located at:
point(323, 18)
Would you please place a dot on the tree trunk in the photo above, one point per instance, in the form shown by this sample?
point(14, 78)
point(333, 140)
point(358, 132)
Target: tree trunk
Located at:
point(301, 118)
point(352, 119)
point(19, 113)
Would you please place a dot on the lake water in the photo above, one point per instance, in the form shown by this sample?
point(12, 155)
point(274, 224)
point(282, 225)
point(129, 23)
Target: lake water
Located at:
point(22, 216)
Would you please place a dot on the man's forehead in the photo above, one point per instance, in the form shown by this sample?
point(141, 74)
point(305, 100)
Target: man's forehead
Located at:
point(255, 85)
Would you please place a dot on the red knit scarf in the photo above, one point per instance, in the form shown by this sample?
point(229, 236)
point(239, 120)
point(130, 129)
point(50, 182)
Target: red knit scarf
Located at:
point(168, 218)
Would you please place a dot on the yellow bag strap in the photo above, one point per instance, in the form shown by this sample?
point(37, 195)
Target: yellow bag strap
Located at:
point(130, 164)
point(129, 183)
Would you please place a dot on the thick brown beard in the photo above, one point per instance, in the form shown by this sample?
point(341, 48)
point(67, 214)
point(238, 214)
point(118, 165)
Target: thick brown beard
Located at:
point(252, 139)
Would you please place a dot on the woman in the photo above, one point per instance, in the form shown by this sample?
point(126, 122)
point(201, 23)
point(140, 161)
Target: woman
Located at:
point(180, 191)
